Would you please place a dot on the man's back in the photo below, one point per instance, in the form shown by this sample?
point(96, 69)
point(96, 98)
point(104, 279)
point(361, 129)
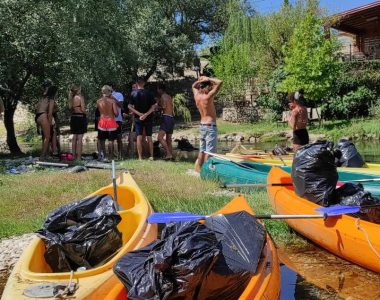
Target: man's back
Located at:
point(142, 100)
point(106, 107)
point(206, 107)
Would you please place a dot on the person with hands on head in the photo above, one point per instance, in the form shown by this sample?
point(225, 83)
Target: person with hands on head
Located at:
point(142, 104)
point(205, 89)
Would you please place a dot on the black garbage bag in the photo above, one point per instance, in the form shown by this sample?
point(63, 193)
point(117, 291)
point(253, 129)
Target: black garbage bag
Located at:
point(350, 155)
point(194, 260)
point(81, 234)
point(314, 172)
point(354, 194)
point(241, 239)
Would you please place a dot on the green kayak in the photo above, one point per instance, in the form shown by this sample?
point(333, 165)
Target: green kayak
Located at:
point(244, 172)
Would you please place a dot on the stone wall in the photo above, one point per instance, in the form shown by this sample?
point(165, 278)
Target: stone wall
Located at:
point(241, 114)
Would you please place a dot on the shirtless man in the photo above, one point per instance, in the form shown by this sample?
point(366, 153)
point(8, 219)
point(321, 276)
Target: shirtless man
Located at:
point(205, 90)
point(298, 121)
point(107, 126)
point(167, 121)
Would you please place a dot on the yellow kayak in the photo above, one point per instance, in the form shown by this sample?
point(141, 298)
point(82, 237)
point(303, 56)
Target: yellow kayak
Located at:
point(32, 269)
point(287, 160)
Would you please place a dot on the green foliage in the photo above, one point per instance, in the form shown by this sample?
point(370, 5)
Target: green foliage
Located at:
point(233, 63)
point(374, 110)
point(180, 108)
point(310, 58)
point(252, 48)
point(269, 98)
point(353, 104)
point(355, 92)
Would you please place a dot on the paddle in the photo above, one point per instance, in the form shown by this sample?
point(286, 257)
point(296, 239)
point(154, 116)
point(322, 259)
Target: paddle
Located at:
point(227, 159)
point(330, 211)
point(343, 209)
point(114, 184)
point(185, 216)
point(258, 185)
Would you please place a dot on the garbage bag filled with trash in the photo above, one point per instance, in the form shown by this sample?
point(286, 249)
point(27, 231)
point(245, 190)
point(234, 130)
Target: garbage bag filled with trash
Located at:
point(214, 260)
point(81, 234)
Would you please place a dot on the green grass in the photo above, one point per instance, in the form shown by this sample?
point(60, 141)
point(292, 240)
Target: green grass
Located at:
point(356, 128)
point(27, 199)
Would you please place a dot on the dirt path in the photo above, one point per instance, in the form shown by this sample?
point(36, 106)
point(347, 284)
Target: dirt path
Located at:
point(10, 251)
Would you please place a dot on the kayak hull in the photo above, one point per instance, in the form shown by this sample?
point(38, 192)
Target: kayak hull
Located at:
point(287, 160)
point(136, 233)
point(344, 236)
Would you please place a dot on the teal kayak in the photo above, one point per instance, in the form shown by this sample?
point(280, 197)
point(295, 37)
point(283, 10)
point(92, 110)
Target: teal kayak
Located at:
point(244, 172)
point(227, 172)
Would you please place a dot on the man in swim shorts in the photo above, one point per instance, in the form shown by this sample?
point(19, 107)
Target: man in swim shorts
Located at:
point(205, 89)
point(107, 126)
point(298, 121)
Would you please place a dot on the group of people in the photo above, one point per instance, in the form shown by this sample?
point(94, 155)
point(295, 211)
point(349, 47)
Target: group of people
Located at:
point(140, 107)
point(108, 119)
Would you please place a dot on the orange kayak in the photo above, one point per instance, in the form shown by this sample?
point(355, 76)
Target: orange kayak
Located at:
point(355, 240)
point(265, 284)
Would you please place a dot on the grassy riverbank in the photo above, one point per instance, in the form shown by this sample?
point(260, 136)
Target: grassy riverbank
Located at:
point(358, 129)
point(25, 204)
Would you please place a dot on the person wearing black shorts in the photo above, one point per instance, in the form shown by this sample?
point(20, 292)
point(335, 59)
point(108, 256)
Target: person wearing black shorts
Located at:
point(142, 104)
point(298, 121)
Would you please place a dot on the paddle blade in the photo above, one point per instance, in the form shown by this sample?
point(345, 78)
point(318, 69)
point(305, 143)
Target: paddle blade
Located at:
point(168, 217)
point(337, 210)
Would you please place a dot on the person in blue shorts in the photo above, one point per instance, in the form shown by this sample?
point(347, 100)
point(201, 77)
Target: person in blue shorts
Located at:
point(142, 104)
point(205, 89)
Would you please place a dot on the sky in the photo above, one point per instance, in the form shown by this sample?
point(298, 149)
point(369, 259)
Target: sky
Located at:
point(332, 6)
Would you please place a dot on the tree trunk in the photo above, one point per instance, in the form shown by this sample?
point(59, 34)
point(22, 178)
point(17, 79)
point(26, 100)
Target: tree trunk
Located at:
point(9, 126)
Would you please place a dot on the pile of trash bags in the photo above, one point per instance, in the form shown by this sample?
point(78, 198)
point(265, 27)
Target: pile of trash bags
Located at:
point(350, 157)
point(315, 178)
point(214, 260)
point(81, 234)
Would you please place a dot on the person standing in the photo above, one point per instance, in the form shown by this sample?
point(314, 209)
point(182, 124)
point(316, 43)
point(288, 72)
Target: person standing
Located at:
point(44, 117)
point(78, 120)
point(167, 121)
point(107, 126)
point(142, 104)
point(298, 121)
point(205, 89)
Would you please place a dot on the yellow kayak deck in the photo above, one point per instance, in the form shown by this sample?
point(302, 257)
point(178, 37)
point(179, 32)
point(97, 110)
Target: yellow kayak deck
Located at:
point(136, 233)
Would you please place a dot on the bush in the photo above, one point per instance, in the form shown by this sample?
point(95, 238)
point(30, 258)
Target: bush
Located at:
point(355, 103)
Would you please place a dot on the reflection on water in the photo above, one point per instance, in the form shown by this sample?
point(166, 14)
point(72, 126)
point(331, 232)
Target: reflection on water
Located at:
point(322, 275)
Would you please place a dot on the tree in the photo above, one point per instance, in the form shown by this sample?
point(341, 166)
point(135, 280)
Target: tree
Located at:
point(311, 59)
point(252, 46)
point(93, 42)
